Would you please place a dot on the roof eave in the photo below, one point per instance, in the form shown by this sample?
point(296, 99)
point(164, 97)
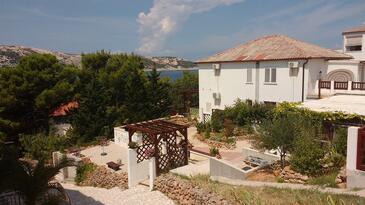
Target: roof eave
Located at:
point(279, 59)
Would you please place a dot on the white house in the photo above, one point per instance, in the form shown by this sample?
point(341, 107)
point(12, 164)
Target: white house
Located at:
point(354, 69)
point(269, 69)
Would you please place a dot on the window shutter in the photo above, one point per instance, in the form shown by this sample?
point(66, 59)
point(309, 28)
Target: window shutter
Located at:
point(267, 74)
point(354, 40)
point(249, 75)
point(273, 75)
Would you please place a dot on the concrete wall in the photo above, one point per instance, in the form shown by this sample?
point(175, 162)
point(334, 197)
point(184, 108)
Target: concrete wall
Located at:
point(270, 158)
point(138, 172)
point(220, 168)
point(121, 137)
point(67, 173)
point(355, 178)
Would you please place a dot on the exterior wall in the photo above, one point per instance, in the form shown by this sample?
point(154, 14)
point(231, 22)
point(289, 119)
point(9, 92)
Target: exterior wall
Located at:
point(121, 137)
point(137, 172)
point(355, 178)
point(231, 83)
point(353, 66)
point(315, 67)
point(219, 168)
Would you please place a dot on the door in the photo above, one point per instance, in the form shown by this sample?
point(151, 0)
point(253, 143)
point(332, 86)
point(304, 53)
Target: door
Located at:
point(361, 149)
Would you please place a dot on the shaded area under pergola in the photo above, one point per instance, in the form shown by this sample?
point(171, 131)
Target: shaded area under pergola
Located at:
point(164, 140)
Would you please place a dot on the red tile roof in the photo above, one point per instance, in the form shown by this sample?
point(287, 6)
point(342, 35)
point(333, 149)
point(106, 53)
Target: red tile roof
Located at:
point(357, 29)
point(64, 109)
point(275, 47)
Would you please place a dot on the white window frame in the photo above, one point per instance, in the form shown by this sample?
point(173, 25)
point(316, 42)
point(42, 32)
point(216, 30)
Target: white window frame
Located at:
point(271, 78)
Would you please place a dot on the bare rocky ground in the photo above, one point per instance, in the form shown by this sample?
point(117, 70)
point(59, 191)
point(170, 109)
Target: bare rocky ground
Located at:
point(139, 195)
point(184, 192)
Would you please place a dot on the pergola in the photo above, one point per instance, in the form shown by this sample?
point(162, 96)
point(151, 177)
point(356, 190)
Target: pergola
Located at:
point(164, 140)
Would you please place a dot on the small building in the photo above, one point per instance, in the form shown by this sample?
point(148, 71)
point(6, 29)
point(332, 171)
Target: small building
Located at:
point(270, 69)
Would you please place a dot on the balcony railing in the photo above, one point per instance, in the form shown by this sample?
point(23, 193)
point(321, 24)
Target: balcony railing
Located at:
point(333, 87)
point(325, 84)
point(341, 85)
point(358, 86)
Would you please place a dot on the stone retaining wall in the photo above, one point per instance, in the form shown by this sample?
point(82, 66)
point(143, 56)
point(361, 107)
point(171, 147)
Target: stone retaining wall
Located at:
point(184, 192)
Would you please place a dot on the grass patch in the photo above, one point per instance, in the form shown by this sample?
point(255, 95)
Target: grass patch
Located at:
point(269, 196)
point(328, 180)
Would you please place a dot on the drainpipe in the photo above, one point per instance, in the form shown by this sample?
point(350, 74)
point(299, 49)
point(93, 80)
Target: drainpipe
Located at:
point(305, 63)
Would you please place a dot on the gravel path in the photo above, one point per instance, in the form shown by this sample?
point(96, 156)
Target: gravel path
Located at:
point(139, 195)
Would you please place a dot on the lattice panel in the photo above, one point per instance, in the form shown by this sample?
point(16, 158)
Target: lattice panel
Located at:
point(179, 157)
point(206, 118)
point(144, 152)
point(164, 163)
point(146, 139)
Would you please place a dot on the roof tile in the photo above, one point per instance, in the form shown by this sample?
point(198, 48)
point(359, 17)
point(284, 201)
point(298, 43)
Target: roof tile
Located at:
point(275, 47)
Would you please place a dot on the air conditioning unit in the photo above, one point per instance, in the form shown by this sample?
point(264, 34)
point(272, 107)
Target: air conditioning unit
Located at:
point(216, 95)
point(293, 64)
point(216, 66)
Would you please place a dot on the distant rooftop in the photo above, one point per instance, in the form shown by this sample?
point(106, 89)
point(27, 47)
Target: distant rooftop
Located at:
point(357, 29)
point(275, 47)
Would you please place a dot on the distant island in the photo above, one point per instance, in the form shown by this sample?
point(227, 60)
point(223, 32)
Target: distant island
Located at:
point(10, 55)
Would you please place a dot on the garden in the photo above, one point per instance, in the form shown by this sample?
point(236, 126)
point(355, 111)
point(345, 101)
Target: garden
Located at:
point(309, 154)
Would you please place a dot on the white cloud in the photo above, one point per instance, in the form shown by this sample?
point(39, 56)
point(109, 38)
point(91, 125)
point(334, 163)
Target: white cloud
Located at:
point(166, 17)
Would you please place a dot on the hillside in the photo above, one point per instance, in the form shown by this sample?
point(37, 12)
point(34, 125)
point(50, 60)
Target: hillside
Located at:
point(11, 55)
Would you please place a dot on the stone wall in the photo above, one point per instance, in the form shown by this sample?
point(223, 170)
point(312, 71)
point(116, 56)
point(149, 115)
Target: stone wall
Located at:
point(104, 178)
point(184, 192)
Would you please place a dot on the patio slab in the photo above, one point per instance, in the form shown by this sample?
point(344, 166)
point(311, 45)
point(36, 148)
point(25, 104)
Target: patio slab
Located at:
point(114, 153)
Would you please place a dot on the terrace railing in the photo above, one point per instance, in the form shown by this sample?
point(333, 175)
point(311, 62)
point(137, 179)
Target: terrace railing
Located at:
point(325, 84)
point(358, 86)
point(341, 85)
point(347, 87)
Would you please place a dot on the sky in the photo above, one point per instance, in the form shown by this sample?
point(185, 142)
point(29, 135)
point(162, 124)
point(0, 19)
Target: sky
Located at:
point(191, 29)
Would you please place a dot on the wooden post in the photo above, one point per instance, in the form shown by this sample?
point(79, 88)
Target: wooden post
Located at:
point(186, 142)
point(319, 88)
point(156, 154)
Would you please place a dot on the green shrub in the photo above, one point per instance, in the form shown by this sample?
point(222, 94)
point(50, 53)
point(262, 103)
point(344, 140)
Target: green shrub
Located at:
point(83, 170)
point(41, 146)
point(228, 128)
point(201, 127)
point(332, 160)
point(132, 145)
point(340, 141)
point(306, 155)
point(207, 134)
point(214, 151)
point(217, 120)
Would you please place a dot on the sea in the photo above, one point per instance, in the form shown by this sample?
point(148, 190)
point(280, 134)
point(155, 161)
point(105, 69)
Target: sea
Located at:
point(175, 74)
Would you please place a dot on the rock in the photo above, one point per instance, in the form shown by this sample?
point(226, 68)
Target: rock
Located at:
point(341, 185)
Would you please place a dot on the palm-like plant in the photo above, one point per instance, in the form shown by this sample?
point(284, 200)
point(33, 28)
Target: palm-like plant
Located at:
point(31, 182)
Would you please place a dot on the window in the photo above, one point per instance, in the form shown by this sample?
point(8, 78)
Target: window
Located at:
point(249, 75)
point(270, 75)
point(353, 48)
point(353, 43)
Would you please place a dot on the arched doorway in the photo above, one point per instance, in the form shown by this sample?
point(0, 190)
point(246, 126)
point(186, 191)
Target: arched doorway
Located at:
point(340, 75)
